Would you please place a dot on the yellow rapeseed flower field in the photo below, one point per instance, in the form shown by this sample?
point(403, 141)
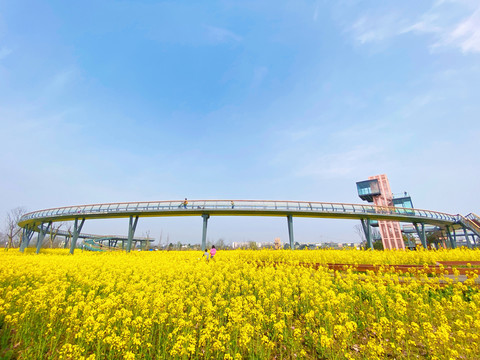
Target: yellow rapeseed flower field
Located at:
point(242, 305)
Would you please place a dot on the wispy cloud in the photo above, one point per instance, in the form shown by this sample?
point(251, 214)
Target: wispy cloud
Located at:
point(221, 35)
point(315, 12)
point(463, 34)
point(259, 75)
point(62, 79)
point(466, 34)
point(4, 52)
point(340, 164)
point(374, 28)
point(427, 24)
point(448, 28)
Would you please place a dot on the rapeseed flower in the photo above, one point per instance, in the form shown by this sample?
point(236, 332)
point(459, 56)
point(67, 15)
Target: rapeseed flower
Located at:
point(254, 304)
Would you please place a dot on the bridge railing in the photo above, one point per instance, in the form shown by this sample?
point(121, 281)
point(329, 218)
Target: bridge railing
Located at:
point(234, 205)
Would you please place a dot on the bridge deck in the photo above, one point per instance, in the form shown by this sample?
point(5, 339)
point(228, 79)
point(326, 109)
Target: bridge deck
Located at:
point(40, 221)
point(238, 208)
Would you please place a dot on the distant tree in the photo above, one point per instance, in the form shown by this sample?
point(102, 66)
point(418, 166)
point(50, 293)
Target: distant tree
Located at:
point(146, 235)
point(220, 244)
point(54, 229)
point(160, 240)
point(361, 234)
point(3, 239)
point(434, 239)
point(378, 244)
point(68, 238)
point(374, 234)
point(12, 230)
point(409, 240)
point(196, 247)
point(252, 245)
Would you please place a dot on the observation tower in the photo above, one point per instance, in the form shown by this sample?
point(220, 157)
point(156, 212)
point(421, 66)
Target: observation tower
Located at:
point(377, 190)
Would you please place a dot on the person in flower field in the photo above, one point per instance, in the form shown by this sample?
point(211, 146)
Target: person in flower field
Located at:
point(205, 254)
point(213, 251)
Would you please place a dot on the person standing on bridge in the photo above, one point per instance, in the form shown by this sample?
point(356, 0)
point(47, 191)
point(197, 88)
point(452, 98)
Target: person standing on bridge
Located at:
point(185, 202)
point(233, 204)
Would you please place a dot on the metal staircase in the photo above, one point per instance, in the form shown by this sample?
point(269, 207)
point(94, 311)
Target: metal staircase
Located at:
point(96, 244)
point(474, 218)
point(92, 245)
point(471, 223)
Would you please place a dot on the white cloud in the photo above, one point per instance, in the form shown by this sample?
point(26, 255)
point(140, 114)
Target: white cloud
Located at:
point(4, 52)
point(425, 25)
point(315, 12)
point(466, 34)
point(61, 82)
point(259, 75)
point(375, 28)
point(221, 35)
point(463, 33)
point(450, 23)
point(340, 164)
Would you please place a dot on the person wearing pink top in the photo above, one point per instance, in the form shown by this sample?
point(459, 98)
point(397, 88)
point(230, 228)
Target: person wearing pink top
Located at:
point(213, 251)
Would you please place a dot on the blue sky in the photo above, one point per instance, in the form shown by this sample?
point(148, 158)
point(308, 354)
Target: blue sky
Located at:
point(108, 101)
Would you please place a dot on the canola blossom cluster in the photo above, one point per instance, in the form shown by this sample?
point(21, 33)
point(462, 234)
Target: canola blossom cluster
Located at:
point(243, 304)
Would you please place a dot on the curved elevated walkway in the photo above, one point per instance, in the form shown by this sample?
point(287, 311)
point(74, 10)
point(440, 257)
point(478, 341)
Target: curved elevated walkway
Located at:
point(40, 221)
point(240, 208)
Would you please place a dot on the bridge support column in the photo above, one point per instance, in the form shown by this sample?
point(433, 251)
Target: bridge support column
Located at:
point(453, 244)
point(77, 228)
point(22, 239)
point(41, 235)
point(290, 231)
point(132, 226)
point(204, 232)
point(27, 236)
point(421, 234)
point(467, 239)
point(368, 232)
